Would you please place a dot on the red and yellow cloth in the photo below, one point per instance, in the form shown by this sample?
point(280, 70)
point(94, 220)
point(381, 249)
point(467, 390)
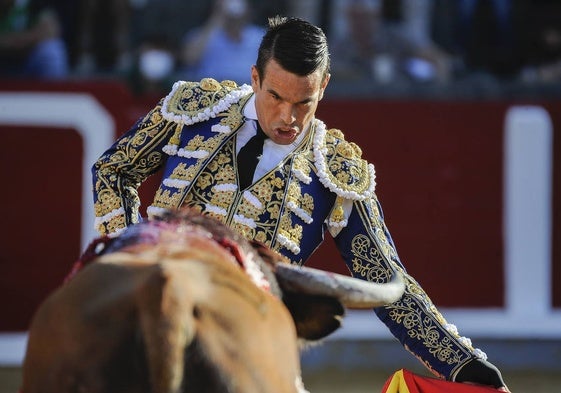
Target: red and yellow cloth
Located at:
point(404, 381)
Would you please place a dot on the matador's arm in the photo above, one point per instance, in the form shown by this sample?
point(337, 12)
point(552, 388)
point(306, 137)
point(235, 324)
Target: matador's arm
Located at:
point(368, 249)
point(120, 170)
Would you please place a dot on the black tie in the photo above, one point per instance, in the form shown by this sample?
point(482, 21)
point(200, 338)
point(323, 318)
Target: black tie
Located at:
point(248, 157)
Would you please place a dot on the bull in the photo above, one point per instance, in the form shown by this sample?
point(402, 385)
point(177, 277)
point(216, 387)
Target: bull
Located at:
point(184, 304)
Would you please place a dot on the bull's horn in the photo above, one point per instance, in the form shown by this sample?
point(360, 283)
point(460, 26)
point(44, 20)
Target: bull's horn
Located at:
point(351, 292)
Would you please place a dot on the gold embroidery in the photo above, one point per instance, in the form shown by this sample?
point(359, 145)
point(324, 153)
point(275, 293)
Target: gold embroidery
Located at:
point(195, 143)
point(182, 172)
point(368, 261)
point(209, 84)
point(425, 329)
point(156, 117)
point(115, 223)
point(336, 133)
point(204, 181)
point(293, 233)
point(246, 231)
point(251, 210)
point(174, 140)
point(210, 185)
point(307, 203)
point(261, 237)
point(229, 83)
point(135, 156)
point(302, 164)
point(225, 173)
point(294, 193)
point(165, 199)
point(191, 98)
point(337, 214)
point(274, 210)
point(222, 199)
point(107, 201)
point(344, 166)
point(212, 143)
point(233, 117)
point(414, 311)
point(304, 202)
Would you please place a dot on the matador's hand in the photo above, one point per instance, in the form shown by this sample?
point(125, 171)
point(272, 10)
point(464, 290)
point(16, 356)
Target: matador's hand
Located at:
point(481, 372)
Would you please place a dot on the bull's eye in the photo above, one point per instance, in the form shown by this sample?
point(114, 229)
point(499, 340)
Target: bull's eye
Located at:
point(196, 312)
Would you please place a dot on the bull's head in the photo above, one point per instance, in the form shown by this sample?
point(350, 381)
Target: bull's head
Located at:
point(317, 299)
point(166, 308)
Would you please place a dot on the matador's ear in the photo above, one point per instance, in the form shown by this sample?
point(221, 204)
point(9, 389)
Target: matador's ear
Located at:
point(324, 84)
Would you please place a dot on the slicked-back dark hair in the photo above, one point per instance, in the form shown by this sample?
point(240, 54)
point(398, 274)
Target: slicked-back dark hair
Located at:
point(297, 45)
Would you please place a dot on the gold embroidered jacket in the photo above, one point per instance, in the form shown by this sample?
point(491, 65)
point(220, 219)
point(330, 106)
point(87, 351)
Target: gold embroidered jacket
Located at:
point(191, 136)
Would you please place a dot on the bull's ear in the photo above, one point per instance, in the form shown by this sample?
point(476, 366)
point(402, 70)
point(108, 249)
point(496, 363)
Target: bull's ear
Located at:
point(315, 316)
point(268, 255)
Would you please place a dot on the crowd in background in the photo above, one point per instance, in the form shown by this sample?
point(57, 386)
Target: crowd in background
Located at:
point(376, 45)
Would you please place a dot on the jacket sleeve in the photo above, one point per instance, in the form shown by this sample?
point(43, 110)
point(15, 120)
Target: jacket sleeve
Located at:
point(369, 252)
point(120, 170)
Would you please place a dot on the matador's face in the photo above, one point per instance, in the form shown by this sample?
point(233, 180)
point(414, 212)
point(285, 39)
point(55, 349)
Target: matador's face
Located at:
point(286, 102)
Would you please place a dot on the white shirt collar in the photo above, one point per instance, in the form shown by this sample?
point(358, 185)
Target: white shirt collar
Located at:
point(249, 110)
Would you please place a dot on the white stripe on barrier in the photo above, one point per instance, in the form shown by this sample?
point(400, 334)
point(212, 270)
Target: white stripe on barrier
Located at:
point(79, 111)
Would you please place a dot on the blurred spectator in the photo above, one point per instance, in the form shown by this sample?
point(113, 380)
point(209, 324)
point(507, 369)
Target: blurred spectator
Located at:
point(388, 42)
point(540, 45)
point(486, 38)
point(104, 36)
point(153, 70)
point(30, 41)
point(168, 20)
point(224, 46)
point(310, 10)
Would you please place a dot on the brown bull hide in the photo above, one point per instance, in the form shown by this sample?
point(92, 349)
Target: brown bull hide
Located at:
point(166, 308)
point(126, 317)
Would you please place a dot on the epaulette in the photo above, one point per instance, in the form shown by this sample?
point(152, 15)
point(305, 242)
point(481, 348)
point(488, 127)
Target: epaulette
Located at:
point(194, 102)
point(340, 165)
